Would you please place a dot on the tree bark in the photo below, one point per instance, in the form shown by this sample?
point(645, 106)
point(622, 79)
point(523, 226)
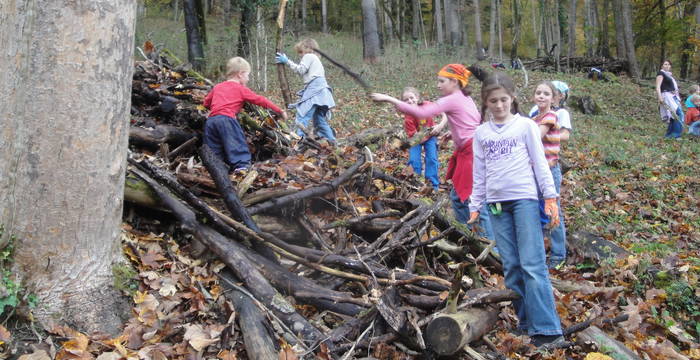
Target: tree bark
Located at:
point(449, 333)
point(281, 71)
point(517, 19)
point(590, 26)
point(69, 65)
point(195, 51)
point(620, 45)
point(324, 16)
point(226, 12)
point(572, 29)
point(417, 14)
point(500, 30)
point(629, 39)
point(453, 23)
point(492, 29)
point(303, 15)
point(246, 22)
point(604, 42)
point(480, 54)
point(437, 15)
point(370, 34)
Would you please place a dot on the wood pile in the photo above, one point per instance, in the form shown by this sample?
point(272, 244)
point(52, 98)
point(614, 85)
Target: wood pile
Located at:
point(332, 250)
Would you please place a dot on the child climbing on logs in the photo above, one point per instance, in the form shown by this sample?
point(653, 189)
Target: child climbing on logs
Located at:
point(316, 98)
point(509, 164)
point(413, 126)
point(462, 118)
point(546, 120)
point(222, 132)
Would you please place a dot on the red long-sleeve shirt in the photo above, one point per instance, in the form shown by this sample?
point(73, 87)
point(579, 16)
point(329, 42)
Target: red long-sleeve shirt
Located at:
point(692, 115)
point(412, 125)
point(227, 98)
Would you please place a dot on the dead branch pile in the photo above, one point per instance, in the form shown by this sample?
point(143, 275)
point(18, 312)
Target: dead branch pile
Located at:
point(578, 64)
point(332, 250)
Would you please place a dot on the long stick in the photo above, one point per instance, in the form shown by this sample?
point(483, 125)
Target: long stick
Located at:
point(346, 69)
point(281, 74)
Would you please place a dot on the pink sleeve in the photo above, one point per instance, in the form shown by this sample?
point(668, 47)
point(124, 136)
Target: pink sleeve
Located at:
point(425, 111)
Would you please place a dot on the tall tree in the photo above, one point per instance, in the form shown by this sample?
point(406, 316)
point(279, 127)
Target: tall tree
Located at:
point(63, 152)
point(303, 15)
point(247, 8)
point(452, 23)
point(591, 26)
point(370, 35)
point(500, 30)
point(604, 41)
point(687, 46)
point(324, 16)
point(417, 15)
point(620, 45)
point(195, 49)
point(492, 28)
point(629, 38)
point(226, 7)
point(517, 20)
point(572, 29)
point(478, 41)
point(437, 16)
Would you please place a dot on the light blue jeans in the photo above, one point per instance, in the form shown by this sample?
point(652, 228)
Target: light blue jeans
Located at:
point(461, 209)
point(415, 159)
point(694, 128)
point(675, 127)
point(320, 115)
point(519, 239)
point(557, 250)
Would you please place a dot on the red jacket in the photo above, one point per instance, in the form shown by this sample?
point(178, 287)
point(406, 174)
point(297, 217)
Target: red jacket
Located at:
point(460, 170)
point(412, 125)
point(227, 98)
point(692, 115)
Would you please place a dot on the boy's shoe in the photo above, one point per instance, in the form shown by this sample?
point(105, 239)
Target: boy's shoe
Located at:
point(547, 341)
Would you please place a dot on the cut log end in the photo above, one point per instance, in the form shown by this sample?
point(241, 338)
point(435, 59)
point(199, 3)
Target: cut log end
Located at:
point(444, 335)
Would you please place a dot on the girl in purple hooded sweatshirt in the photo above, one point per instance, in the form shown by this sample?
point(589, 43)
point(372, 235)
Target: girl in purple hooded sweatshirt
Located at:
point(508, 158)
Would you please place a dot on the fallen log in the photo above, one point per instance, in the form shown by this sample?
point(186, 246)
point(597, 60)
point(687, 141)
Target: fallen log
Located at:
point(592, 247)
point(153, 138)
point(612, 347)
point(447, 334)
point(315, 191)
point(233, 255)
point(253, 324)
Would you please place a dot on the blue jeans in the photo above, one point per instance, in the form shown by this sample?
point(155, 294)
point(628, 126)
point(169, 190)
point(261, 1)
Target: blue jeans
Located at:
point(319, 115)
point(675, 127)
point(461, 210)
point(694, 128)
point(519, 240)
point(557, 251)
point(431, 160)
point(224, 136)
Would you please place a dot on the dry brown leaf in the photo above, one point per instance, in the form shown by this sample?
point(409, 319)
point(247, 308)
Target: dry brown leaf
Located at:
point(286, 353)
point(227, 355)
point(36, 355)
point(634, 320)
point(197, 337)
point(5, 335)
point(109, 356)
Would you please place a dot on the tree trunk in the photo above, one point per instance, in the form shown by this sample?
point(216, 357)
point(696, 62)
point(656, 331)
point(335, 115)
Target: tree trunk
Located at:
point(687, 47)
point(247, 15)
point(517, 19)
point(370, 35)
point(478, 41)
point(227, 12)
point(195, 51)
point(662, 25)
point(69, 65)
point(591, 26)
point(324, 16)
point(572, 29)
point(452, 23)
point(556, 34)
point(417, 14)
point(604, 41)
point(500, 30)
point(201, 19)
point(437, 15)
point(492, 29)
point(697, 25)
point(620, 46)
point(629, 39)
point(303, 15)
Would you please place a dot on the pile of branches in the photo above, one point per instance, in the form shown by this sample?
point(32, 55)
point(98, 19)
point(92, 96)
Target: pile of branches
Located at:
point(577, 64)
point(335, 249)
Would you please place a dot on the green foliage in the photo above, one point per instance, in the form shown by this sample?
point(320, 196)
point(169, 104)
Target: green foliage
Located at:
point(12, 293)
point(125, 278)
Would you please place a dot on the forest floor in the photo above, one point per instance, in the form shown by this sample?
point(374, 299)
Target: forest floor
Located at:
point(626, 185)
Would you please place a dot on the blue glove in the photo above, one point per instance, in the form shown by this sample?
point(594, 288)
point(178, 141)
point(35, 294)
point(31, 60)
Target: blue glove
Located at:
point(281, 58)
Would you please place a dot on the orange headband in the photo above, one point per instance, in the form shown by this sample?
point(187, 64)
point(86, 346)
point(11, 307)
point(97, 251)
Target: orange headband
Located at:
point(456, 71)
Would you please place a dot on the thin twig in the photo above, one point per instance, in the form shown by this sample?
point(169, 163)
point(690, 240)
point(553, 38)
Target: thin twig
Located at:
point(359, 338)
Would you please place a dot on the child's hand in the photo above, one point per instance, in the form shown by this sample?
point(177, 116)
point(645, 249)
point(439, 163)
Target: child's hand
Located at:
point(473, 217)
point(380, 97)
point(552, 210)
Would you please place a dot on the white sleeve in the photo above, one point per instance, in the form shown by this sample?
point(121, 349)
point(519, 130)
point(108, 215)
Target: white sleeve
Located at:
point(303, 66)
point(564, 119)
point(478, 196)
point(532, 111)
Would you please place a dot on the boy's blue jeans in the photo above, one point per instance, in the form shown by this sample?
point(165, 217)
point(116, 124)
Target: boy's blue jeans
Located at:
point(519, 240)
point(319, 114)
point(431, 160)
point(223, 134)
point(675, 127)
point(694, 128)
point(461, 210)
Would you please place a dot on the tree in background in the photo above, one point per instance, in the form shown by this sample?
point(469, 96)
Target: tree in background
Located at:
point(63, 152)
point(195, 40)
point(370, 35)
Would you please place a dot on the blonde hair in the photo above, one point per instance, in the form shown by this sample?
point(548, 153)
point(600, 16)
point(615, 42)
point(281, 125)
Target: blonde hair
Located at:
point(235, 65)
point(694, 89)
point(306, 46)
point(694, 98)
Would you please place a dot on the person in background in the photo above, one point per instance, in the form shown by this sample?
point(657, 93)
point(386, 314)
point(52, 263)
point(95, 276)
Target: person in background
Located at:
point(692, 116)
point(316, 98)
point(669, 101)
point(414, 125)
point(509, 166)
point(222, 132)
point(693, 90)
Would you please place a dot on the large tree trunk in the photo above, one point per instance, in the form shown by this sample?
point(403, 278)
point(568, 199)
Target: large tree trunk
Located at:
point(517, 18)
point(572, 29)
point(324, 16)
point(500, 30)
point(195, 51)
point(69, 66)
point(492, 29)
point(417, 14)
point(453, 23)
point(620, 46)
point(303, 15)
point(590, 27)
point(629, 39)
point(437, 15)
point(480, 55)
point(604, 41)
point(687, 47)
point(370, 35)
point(226, 4)
point(247, 15)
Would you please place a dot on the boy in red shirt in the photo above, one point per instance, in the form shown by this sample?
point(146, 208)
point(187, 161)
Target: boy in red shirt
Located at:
point(692, 116)
point(222, 132)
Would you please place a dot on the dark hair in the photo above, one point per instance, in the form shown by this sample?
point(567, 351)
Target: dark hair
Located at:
point(495, 81)
point(666, 61)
